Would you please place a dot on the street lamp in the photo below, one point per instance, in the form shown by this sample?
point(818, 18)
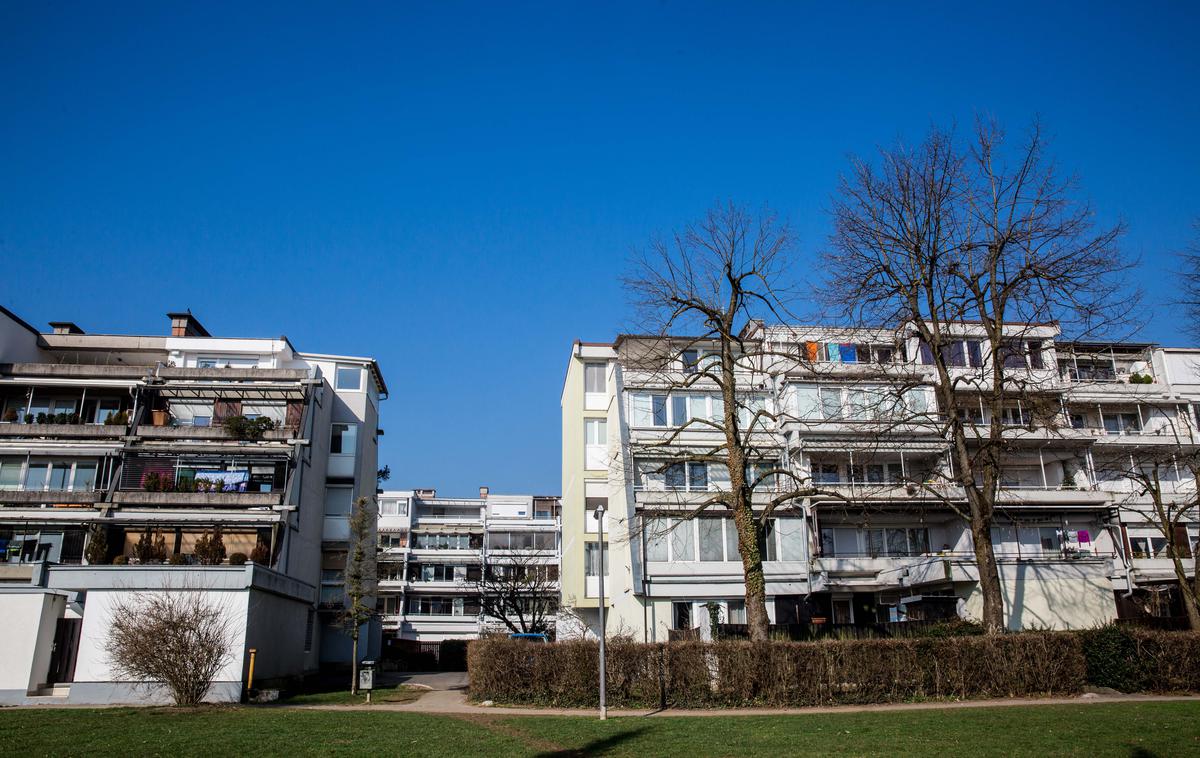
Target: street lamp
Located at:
point(600, 526)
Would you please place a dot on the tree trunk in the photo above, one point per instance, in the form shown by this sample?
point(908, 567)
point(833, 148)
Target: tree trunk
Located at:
point(354, 664)
point(989, 574)
point(1186, 589)
point(756, 583)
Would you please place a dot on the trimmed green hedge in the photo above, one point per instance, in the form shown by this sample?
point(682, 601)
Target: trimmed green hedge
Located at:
point(1137, 660)
point(788, 674)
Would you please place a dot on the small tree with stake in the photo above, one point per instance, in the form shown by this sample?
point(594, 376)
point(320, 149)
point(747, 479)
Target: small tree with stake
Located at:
point(361, 578)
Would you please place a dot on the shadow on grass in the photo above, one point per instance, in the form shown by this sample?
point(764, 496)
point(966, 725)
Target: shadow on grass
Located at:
point(595, 747)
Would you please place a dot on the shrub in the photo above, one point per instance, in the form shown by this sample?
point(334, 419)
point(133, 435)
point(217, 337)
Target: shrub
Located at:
point(1141, 660)
point(209, 550)
point(248, 429)
point(177, 560)
point(178, 639)
point(1110, 653)
point(261, 553)
point(120, 418)
point(237, 559)
point(96, 551)
point(782, 674)
point(10, 415)
point(120, 560)
point(452, 655)
point(151, 547)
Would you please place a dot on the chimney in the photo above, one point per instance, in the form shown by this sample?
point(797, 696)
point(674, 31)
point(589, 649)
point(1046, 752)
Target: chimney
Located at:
point(483, 492)
point(65, 327)
point(184, 324)
point(425, 494)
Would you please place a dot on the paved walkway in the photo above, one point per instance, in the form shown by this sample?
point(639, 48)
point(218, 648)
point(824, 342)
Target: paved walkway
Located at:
point(454, 702)
point(438, 680)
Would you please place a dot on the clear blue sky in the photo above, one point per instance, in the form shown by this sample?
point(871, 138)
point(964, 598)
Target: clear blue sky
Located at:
point(454, 188)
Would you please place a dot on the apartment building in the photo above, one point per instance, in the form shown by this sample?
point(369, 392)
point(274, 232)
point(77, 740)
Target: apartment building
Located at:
point(120, 453)
point(442, 561)
point(879, 536)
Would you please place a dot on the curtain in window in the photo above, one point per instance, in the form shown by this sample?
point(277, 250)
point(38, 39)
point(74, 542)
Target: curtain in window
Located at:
point(811, 349)
point(833, 352)
point(806, 402)
point(847, 353)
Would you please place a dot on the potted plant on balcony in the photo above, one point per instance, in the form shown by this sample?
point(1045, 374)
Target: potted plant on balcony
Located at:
point(261, 553)
point(210, 548)
point(10, 416)
point(247, 429)
point(159, 417)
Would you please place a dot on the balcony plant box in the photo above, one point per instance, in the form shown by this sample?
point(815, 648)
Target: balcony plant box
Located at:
point(159, 418)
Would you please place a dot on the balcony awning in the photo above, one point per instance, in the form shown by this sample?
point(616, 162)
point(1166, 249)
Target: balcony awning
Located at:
point(24, 447)
point(224, 390)
point(79, 384)
point(876, 445)
point(447, 529)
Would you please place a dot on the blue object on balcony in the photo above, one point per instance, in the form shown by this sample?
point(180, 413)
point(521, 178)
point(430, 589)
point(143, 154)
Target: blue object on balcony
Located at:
point(529, 636)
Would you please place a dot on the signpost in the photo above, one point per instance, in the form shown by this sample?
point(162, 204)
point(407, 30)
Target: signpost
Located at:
point(366, 678)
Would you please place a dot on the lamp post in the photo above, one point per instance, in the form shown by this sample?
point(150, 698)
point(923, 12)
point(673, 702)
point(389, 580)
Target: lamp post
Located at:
point(600, 526)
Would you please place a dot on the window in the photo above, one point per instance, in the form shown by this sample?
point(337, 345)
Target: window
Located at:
point(831, 402)
point(85, 477)
point(791, 539)
point(349, 378)
point(683, 542)
point(1014, 417)
point(596, 430)
point(10, 474)
point(1050, 539)
point(394, 507)
point(686, 476)
point(826, 473)
point(736, 612)
point(681, 615)
point(594, 379)
point(592, 557)
point(711, 540)
point(655, 534)
point(338, 500)
point(591, 507)
point(690, 359)
point(974, 353)
point(343, 439)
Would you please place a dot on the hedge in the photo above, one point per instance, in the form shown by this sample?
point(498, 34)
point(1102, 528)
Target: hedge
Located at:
point(788, 674)
point(1138, 660)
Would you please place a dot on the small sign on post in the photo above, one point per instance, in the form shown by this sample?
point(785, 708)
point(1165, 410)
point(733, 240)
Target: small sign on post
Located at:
point(366, 678)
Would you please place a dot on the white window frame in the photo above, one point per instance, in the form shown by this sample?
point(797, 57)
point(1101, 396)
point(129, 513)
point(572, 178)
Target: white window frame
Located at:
point(337, 377)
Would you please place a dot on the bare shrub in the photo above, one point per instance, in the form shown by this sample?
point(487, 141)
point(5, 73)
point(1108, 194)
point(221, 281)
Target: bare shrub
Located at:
point(179, 639)
point(784, 674)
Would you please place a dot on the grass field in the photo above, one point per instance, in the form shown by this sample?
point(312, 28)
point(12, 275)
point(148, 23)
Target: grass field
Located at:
point(1125, 729)
point(392, 694)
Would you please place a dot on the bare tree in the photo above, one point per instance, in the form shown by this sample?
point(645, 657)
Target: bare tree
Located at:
point(520, 591)
point(715, 281)
point(1161, 495)
point(361, 578)
point(1190, 280)
point(178, 638)
point(983, 238)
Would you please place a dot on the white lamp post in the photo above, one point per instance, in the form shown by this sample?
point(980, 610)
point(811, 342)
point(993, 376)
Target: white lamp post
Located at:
point(600, 525)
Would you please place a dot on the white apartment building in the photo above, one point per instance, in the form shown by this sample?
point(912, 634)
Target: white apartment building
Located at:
point(438, 556)
point(119, 452)
point(1073, 545)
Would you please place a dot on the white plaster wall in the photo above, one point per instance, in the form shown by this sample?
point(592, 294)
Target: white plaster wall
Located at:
point(1068, 595)
point(26, 637)
point(17, 344)
point(92, 664)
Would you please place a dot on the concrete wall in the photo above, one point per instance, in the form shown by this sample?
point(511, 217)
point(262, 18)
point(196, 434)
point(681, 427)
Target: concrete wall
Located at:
point(1060, 595)
point(17, 343)
point(26, 638)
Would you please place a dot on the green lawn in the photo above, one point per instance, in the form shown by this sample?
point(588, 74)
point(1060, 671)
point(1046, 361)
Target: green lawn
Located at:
point(1126, 729)
point(393, 694)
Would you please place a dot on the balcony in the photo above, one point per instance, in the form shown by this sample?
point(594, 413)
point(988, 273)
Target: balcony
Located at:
point(188, 432)
point(51, 497)
point(63, 431)
point(199, 499)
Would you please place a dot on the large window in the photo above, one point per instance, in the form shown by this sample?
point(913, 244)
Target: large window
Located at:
point(594, 379)
point(338, 500)
point(673, 540)
point(595, 443)
point(344, 439)
point(422, 541)
point(890, 542)
point(349, 378)
point(591, 559)
point(663, 410)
